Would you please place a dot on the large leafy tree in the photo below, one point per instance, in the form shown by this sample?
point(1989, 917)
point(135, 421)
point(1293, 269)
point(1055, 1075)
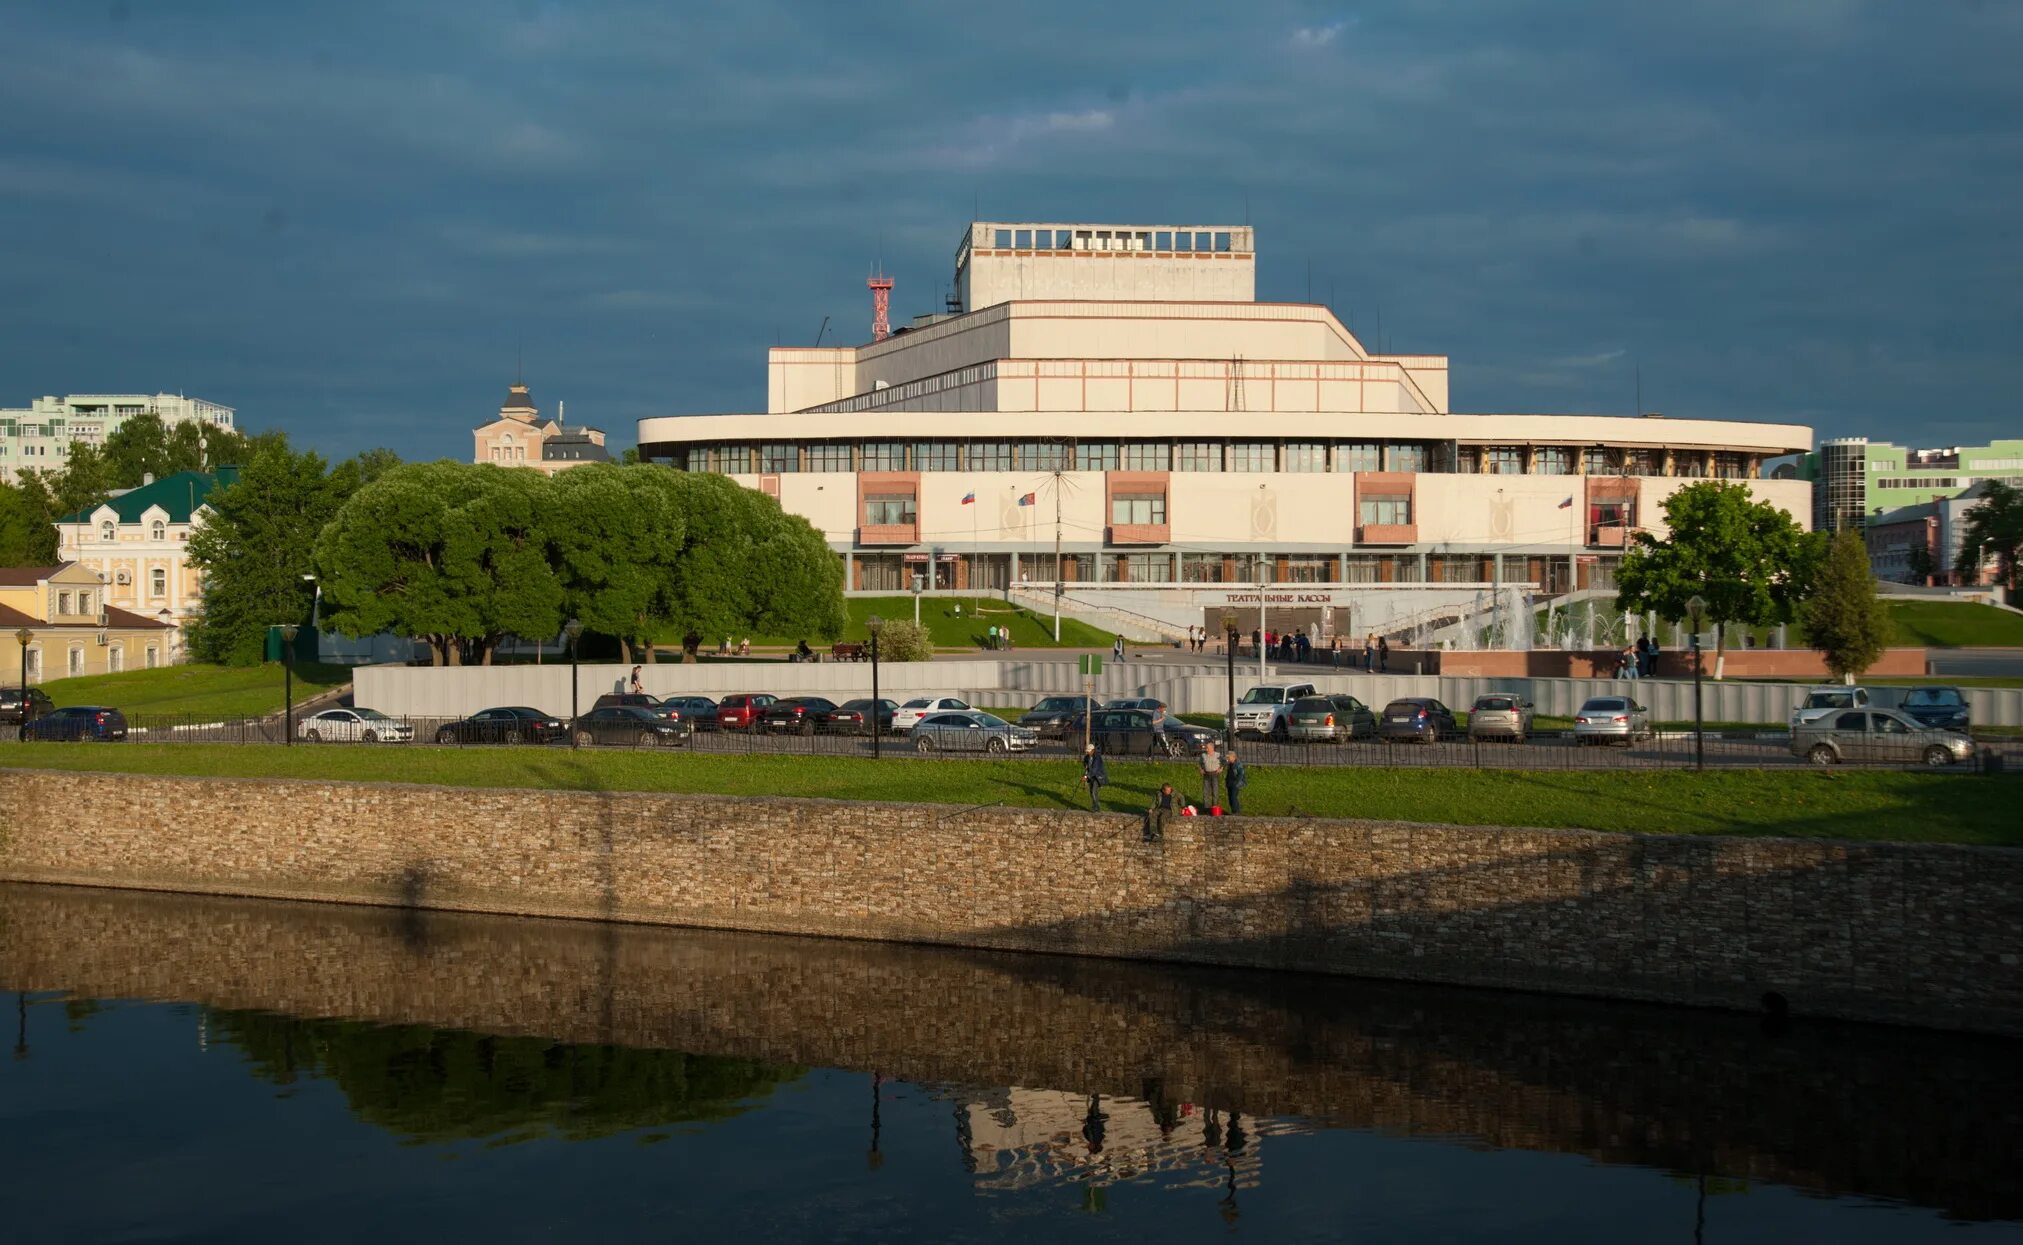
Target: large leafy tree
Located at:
point(254, 545)
point(1844, 618)
point(1747, 559)
point(26, 539)
point(1994, 529)
point(746, 564)
point(616, 537)
point(446, 552)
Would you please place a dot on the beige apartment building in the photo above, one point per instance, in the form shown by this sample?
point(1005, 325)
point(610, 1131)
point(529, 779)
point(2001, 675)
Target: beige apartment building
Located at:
point(70, 629)
point(520, 437)
point(1118, 392)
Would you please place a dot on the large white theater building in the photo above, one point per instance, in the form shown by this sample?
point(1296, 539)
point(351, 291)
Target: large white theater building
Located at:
point(1118, 393)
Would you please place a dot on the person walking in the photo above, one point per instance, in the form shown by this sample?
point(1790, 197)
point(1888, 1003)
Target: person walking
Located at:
point(638, 688)
point(1117, 649)
point(1095, 775)
point(1211, 771)
point(1651, 657)
point(1234, 779)
point(1255, 637)
point(1383, 655)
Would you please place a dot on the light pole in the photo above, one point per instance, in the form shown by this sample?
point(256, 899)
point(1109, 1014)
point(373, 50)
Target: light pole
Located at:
point(1260, 631)
point(288, 632)
point(24, 635)
point(573, 630)
point(874, 625)
point(1229, 652)
point(1697, 607)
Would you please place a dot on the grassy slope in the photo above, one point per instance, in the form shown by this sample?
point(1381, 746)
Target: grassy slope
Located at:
point(206, 692)
point(1926, 624)
point(1029, 628)
point(1851, 804)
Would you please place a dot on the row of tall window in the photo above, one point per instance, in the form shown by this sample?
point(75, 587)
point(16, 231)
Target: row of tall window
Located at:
point(1111, 239)
point(1555, 573)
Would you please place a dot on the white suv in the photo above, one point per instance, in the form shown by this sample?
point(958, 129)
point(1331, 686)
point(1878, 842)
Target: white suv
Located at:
point(1266, 710)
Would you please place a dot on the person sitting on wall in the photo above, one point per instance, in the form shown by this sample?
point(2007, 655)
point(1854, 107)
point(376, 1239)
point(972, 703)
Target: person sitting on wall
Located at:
point(1165, 806)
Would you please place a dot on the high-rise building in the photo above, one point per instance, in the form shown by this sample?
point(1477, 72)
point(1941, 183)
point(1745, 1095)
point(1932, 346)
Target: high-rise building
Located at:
point(40, 435)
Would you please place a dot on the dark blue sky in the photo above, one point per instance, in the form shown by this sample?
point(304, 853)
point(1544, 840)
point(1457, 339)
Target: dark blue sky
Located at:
point(346, 218)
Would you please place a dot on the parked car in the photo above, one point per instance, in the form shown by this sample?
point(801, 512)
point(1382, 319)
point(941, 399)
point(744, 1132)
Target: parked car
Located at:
point(1150, 704)
point(90, 722)
point(698, 711)
point(511, 724)
point(970, 730)
point(741, 712)
point(1265, 710)
point(1331, 719)
point(1053, 716)
point(11, 702)
point(353, 726)
point(1823, 700)
point(1419, 718)
point(1874, 734)
point(856, 717)
point(1136, 732)
point(1499, 715)
point(638, 700)
point(629, 725)
point(803, 715)
point(909, 715)
point(1938, 708)
point(1611, 719)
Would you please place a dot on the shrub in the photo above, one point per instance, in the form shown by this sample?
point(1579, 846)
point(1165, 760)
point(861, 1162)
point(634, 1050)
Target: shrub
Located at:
point(905, 641)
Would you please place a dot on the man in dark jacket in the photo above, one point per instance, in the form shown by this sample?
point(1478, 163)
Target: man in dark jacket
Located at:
point(1165, 806)
point(1095, 775)
point(1234, 779)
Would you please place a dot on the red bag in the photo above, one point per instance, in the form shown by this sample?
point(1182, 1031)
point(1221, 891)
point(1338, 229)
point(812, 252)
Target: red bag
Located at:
point(1215, 810)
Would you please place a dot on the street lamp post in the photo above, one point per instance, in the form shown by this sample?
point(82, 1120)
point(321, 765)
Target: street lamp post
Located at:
point(573, 629)
point(874, 625)
point(24, 635)
point(1697, 607)
point(288, 633)
point(1260, 630)
point(1229, 652)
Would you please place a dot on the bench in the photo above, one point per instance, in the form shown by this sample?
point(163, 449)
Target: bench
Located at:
point(846, 652)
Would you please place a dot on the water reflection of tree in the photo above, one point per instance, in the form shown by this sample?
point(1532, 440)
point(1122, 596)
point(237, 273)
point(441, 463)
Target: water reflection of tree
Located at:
point(448, 1085)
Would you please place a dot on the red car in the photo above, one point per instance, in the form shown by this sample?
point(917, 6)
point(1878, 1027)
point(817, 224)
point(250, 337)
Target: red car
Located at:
point(741, 712)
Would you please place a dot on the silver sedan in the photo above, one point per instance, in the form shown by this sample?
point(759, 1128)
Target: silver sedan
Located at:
point(1611, 720)
point(971, 730)
point(1877, 735)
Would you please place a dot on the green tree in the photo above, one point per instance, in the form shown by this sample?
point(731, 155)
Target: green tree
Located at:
point(1994, 529)
point(746, 564)
point(1920, 565)
point(903, 640)
point(22, 524)
point(144, 446)
point(374, 463)
point(445, 552)
point(616, 537)
point(254, 545)
point(1844, 618)
point(1747, 559)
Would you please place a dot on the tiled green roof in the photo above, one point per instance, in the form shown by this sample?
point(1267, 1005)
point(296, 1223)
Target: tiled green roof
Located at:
point(179, 494)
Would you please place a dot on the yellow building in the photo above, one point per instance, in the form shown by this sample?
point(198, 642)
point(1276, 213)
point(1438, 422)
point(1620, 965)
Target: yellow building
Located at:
point(137, 542)
point(520, 437)
point(70, 628)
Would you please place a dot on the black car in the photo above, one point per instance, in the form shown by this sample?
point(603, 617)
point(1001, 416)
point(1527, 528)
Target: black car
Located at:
point(1419, 718)
point(1054, 716)
point(38, 702)
point(78, 722)
point(698, 711)
point(1135, 732)
point(513, 724)
point(1940, 708)
point(628, 725)
point(853, 717)
point(802, 714)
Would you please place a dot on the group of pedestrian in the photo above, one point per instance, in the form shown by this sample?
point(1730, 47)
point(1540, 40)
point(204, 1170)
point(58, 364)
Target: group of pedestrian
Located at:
point(1219, 771)
point(1376, 654)
point(998, 639)
point(1197, 639)
point(1638, 660)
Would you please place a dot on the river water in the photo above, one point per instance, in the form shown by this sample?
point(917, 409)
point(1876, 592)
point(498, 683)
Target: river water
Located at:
point(225, 1070)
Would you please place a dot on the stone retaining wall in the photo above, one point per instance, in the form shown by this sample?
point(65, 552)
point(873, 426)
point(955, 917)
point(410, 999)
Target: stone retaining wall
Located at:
point(1925, 935)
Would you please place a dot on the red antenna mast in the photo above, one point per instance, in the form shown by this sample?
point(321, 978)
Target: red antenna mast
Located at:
point(881, 306)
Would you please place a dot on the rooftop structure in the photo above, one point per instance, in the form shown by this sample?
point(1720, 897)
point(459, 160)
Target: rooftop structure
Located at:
point(520, 437)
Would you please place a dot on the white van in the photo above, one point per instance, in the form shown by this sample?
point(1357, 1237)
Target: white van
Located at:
point(1267, 708)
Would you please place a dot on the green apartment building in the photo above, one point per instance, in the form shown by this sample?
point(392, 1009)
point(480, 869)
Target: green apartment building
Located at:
point(1854, 479)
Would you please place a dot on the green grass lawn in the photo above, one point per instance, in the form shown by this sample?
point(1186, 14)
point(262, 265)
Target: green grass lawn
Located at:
point(1030, 628)
point(207, 693)
point(1915, 624)
point(1840, 804)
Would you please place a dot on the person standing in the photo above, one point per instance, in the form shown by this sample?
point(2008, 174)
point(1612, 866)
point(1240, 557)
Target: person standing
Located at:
point(1211, 771)
point(1095, 775)
point(1651, 657)
point(1255, 637)
point(1235, 779)
point(1383, 655)
point(1370, 652)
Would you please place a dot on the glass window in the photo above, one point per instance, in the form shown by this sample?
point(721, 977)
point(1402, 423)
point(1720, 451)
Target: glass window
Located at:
point(1148, 568)
point(1305, 568)
point(1139, 510)
point(1163, 240)
point(1385, 511)
point(884, 456)
point(1361, 456)
point(1183, 241)
point(1595, 461)
point(158, 582)
point(1250, 456)
point(1505, 460)
point(1467, 460)
point(1004, 239)
point(1201, 568)
point(888, 510)
point(63, 603)
point(1552, 460)
point(936, 456)
point(1221, 241)
point(1023, 240)
point(1405, 456)
point(1197, 456)
point(1043, 456)
point(107, 531)
point(1729, 466)
point(777, 456)
point(990, 456)
point(1148, 456)
point(1306, 456)
point(1096, 456)
point(829, 456)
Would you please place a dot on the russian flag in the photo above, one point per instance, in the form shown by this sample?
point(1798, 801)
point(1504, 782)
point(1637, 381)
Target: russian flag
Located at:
point(1568, 502)
point(969, 499)
point(1030, 499)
